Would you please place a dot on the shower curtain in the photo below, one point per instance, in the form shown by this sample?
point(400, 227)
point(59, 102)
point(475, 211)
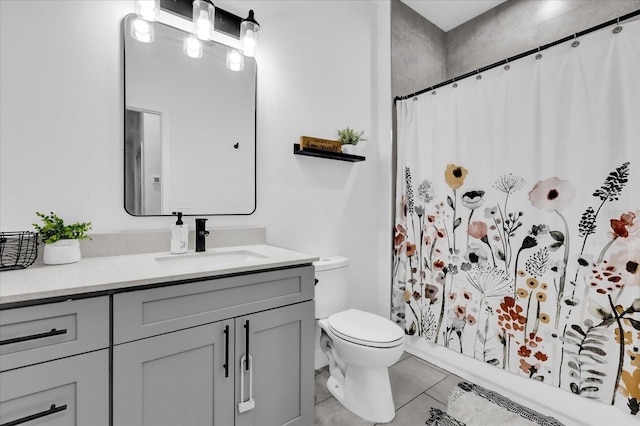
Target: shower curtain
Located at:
point(517, 228)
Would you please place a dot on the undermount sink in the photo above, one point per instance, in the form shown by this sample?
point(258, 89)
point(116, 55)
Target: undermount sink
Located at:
point(203, 259)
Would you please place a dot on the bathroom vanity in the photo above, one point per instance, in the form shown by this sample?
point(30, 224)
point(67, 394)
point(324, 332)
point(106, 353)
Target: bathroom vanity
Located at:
point(222, 338)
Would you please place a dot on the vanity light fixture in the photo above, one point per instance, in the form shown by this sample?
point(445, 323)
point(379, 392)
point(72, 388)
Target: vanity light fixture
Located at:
point(142, 30)
point(249, 28)
point(235, 60)
point(149, 10)
point(203, 18)
point(225, 23)
point(192, 46)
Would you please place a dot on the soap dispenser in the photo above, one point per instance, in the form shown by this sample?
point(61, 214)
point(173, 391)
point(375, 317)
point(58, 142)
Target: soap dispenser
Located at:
point(179, 236)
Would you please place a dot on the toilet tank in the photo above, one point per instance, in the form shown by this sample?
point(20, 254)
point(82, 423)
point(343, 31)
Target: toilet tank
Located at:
point(331, 286)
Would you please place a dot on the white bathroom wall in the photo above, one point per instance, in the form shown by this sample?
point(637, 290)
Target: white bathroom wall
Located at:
point(321, 66)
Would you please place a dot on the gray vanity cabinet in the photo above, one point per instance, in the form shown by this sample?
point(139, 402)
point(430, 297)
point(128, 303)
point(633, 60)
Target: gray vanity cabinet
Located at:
point(179, 353)
point(54, 363)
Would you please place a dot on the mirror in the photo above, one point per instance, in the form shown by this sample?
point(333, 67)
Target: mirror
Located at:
point(190, 127)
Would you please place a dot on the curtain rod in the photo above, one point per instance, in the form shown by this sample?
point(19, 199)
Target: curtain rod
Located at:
point(521, 55)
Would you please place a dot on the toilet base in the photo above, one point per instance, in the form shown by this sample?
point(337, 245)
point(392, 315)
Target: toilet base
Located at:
point(365, 392)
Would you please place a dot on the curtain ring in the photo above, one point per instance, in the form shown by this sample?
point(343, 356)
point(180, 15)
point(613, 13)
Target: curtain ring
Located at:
point(507, 67)
point(539, 55)
point(454, 83)
point(618, 27)
point(575, 42)
point(478, 76)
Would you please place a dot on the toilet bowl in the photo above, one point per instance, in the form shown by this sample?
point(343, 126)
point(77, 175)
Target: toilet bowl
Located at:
point(360, 346)
point(359, 361)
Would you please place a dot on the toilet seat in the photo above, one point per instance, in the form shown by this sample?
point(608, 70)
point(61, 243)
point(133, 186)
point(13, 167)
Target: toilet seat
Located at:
point(364, 328)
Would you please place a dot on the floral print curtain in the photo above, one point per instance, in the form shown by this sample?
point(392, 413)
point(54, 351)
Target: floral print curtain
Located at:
point(517, 230)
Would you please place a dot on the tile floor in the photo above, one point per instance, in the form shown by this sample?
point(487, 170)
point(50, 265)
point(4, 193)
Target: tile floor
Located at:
point(416, 386)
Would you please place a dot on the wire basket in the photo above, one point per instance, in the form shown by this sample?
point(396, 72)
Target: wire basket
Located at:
point(18, 250)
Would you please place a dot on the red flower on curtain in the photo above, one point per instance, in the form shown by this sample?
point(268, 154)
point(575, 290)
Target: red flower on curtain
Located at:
point(626, 224)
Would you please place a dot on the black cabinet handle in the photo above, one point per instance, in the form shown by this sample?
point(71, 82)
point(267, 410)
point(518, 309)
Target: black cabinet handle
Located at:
point(226, 351)
point(44, 413)
point(51, 333)
point(246, 360)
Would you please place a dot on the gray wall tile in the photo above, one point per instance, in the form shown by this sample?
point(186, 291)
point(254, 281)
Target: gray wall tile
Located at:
point(517, 26)
point(422, 55)
point(417, 51)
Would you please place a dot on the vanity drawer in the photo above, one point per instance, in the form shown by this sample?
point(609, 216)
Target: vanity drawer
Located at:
point(70, 391)
point(145, 313)
point(45, 332)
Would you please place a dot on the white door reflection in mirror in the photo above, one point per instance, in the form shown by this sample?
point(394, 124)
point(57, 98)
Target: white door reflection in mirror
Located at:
point(143, 162)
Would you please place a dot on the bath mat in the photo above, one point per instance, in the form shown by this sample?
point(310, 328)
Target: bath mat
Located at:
point(473, 405)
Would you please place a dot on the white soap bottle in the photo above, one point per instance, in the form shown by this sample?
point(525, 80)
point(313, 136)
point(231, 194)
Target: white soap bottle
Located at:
point(179, 236)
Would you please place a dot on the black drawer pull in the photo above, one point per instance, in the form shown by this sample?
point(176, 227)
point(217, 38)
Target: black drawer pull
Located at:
point(226, 351)
point(246, 360)
point(51, 333)
point(48, 412)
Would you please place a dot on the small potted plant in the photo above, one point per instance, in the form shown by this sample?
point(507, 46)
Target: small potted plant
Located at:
point(349, 139)
point(61, 242)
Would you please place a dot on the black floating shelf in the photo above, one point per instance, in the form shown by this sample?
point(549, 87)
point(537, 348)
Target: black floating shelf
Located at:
point(326, 154)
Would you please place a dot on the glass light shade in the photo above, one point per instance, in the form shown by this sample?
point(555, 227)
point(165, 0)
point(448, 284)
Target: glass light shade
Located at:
point(203, 18)
point(142, 30)
point(249, 35)
point(149, 10)
point(235, 60)
point(192, 46)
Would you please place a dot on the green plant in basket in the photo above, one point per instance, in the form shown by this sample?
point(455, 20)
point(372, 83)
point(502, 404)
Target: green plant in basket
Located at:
point(54, 229)
point(350, 137)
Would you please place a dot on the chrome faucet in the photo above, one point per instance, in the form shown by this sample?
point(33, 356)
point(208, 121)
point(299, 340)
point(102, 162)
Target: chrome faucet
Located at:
point(201, 234)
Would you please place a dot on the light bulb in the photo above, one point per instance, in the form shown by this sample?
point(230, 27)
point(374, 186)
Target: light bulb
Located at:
point(249, 44)
point(148, 9)
point(203, 15)
point(235, 60)
point(203, 26)
point(141, 26)
point(142, 30)
point(249, 29)
point(192, 47)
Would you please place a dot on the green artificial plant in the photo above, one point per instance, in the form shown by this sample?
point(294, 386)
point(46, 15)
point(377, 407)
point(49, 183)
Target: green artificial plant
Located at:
point(350, 137)
point(54, 229)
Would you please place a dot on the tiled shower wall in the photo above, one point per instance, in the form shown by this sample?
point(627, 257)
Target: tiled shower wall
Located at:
point(520, 25)
point(423, 55)
point(418, 54)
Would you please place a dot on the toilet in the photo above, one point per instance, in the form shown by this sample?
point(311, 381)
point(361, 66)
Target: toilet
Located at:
point(360, 346)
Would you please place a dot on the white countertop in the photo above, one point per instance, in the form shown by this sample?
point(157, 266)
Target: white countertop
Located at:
point(97, 274)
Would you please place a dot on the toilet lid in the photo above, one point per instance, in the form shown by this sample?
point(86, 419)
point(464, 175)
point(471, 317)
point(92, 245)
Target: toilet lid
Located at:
point(365, 328)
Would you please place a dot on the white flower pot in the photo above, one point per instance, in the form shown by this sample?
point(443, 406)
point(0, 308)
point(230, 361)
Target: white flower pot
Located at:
point(349, 149)
point(61, 252)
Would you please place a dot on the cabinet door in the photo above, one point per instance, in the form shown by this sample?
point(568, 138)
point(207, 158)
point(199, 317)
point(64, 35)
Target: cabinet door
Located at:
point(68, 391)
point(176, 378)
point(280, 342)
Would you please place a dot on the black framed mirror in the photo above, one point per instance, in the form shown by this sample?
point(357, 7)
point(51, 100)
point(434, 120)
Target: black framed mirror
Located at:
point(190, 128)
